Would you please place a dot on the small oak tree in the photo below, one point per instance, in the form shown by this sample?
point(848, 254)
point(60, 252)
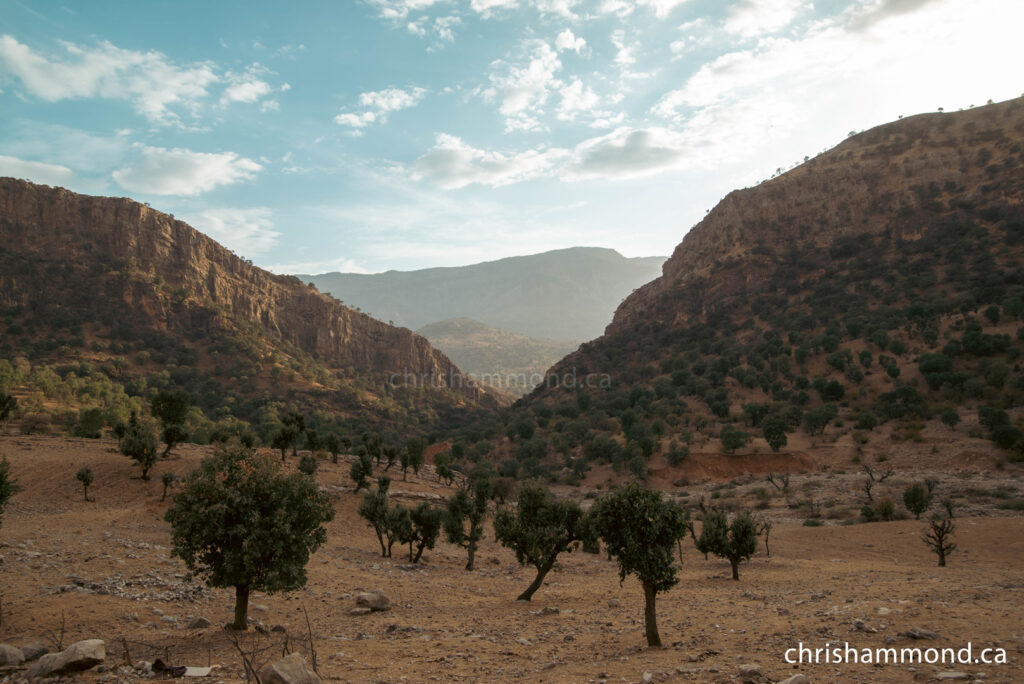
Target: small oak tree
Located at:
point(167, 480)
point(774, 431)
point(139, 444)
point(641, 530)
point(361, 470)
point(170, 407)
point(240, 522)
point(465, 515)
point(84, 475)
point(917, 498)
point(8, 485)
point(424, 531)
point(374, 510)
point(735, 542)
point(542, 527)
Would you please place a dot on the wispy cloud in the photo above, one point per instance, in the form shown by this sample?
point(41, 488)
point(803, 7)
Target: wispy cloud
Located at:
point(249, 231)
point(453, 164)
point(376, 106)
point(161, 171)
point(37, 172)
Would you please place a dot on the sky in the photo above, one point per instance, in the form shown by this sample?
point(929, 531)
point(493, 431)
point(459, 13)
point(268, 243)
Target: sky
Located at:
point(368, 135)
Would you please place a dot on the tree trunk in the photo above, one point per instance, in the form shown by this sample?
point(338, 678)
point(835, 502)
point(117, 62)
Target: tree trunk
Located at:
point(85, 493)
point(419, 552)
point(471, 548)
point(542, 572)
point(942, 558)
point(735, 569)
point(650, 617)
point(383, 548)
point(241, 608)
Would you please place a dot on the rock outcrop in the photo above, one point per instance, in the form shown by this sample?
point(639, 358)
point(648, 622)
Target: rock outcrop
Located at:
point(163, 269)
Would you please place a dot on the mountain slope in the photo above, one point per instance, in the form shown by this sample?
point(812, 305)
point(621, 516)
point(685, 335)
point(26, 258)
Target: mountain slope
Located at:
point(855, 299)
point(113, 275)
point(563, 294)
point(507, 361)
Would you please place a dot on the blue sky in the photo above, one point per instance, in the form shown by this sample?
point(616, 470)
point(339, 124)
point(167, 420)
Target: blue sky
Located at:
point(379, 134)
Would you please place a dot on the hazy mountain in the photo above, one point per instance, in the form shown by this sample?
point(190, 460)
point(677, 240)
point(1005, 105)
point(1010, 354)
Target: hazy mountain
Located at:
point(510, 362)
point(567, 294)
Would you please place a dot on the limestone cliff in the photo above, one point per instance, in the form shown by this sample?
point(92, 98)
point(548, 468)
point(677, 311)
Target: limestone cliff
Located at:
point(163, 270)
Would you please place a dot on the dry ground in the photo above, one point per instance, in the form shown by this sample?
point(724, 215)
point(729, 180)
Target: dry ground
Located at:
point(105, 566)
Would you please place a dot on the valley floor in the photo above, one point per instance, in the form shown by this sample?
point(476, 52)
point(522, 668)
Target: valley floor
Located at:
point(103, 570)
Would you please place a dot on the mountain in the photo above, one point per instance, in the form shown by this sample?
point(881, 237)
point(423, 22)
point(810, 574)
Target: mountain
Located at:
point(506, 361)
point(567, 294)
point(878, 284)
point(108, 283)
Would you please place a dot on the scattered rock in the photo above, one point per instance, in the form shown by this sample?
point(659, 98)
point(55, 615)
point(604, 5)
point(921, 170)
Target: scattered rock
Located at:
point(918, 633)
point(613, 603)
point(34, 651)
point(198, 623)
point(750, 670)
point(547, 610)
point(374, 600)
point(647, 678)
point(796, 679)
point(279, 629)
point(78, 656)
point(862, 626)
point(524, 641)
point(360, 611)
point(10, 655)
point(291, 669)
point(951, 676)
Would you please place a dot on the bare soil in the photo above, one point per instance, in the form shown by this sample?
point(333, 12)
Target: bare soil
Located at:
point(103, 569)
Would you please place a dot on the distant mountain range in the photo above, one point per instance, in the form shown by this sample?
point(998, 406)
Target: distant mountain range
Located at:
point(506, 361)
point(566, 294)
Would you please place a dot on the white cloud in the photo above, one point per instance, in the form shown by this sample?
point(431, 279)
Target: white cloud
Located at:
point(568, 41)
point(562, 8)
point(161, 171)
point(624, 56)
point(149, 80)
point(453, 164)
point(751, 18)
point(249, 232)
point(442, 28)
point(524, 90)
point(341, 265)
point(486, 7)
point(378, 104)
point(576, 98)
point(397, 10)
point(37, 172)
point(623, 8)
point(628, 153)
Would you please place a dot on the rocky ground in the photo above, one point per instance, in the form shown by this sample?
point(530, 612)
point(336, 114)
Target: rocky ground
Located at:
point(75, 570)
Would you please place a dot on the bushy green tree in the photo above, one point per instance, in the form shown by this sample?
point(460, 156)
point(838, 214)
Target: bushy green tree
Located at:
point(413, 455)
point(374, 510)
point(308, 465)
point(167, 480)
point(640, 530)
point(8, 405)
point(443, 467)
point(240, 522)
point(465, 515)
point(139, 444)
point(541, 527)
point(424, 529)
point(917, 498)
point(732, 439)
point(170, 407)
point(736, 542)
point(332, 442)
point(85, 476)
point(90, 423)
point(773, 428)
point(361, 470)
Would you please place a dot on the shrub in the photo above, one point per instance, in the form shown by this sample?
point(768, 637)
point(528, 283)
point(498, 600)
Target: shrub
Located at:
point(84, 475)
point(735, 542)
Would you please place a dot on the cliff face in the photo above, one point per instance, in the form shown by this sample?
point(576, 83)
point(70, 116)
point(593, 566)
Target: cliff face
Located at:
point(176, 271)
point(890, 180)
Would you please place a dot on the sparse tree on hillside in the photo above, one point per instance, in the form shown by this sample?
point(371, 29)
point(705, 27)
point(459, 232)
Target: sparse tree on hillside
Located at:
point(170, 407)
point(413, 455)
point(139, 444)
point(390, 457)
point(917, 498)
point(167, 480)
point(939, 537)
point(332, 442)
point(8, 485)
point(641, 531)
point(542, 527)
point(84, 475)
point(308, 465)
point(774, 430)
point(374, 510)
point(951, 418)
point(735, 542)
point(362, 470)
point(465, 515)
point(425, 529)
point(239, 522)
point(374, 446)
point(732, 439)
point(8, 405)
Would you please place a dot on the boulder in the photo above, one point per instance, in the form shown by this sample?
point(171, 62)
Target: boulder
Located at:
point(374, 600)
point(198, 623)
point(291, 669)
point(796, 679)
point(10, 655)
point(34, 651)
point(78, 656)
